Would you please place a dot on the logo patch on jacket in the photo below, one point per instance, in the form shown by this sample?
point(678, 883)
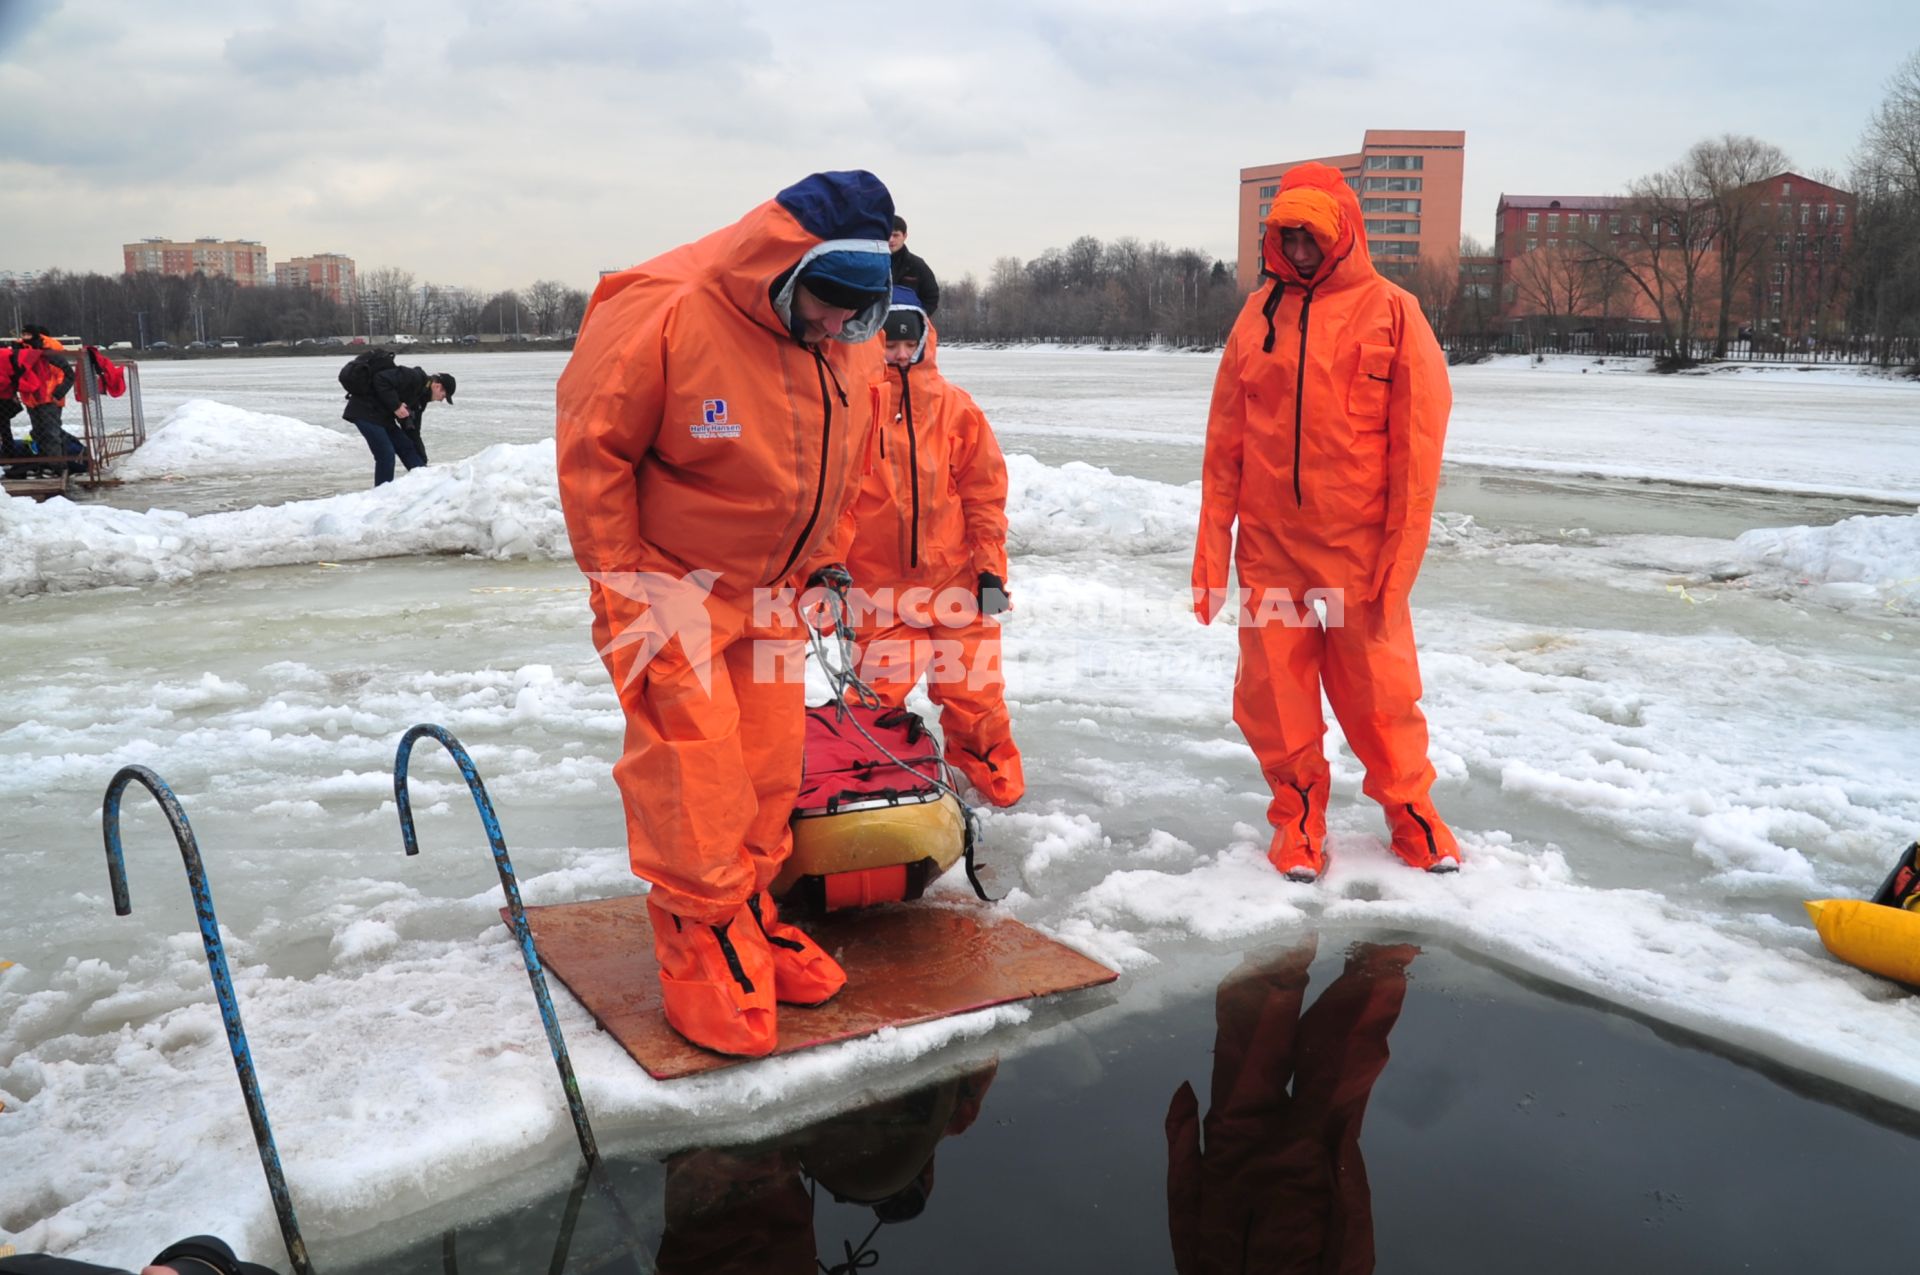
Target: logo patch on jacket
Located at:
point(714, 422)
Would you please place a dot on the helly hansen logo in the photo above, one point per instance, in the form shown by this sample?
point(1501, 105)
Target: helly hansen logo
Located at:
point(714, 422)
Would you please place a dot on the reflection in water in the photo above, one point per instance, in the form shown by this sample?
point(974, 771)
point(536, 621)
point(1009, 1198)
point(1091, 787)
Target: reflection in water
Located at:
point(750, 1209)
point(1280, 1185)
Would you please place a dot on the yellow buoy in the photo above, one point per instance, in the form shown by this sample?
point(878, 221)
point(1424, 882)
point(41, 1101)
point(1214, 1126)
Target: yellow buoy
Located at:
point(1879, 939)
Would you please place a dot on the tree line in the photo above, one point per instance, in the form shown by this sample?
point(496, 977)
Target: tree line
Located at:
point(1125, 292)
point(144, 308)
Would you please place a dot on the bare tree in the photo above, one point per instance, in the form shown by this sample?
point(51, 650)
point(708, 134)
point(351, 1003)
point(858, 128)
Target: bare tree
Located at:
point(544, 301)
point(388, 297)
point(1662, 252)
point(1886, 243)
point(1730, 172)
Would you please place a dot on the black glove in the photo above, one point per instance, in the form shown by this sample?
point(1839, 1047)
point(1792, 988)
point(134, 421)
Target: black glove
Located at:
point(994, 597)
point(833, 576)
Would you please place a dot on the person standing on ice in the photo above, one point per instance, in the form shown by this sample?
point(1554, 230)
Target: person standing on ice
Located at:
point(930, 522)
point(911, 271)
point(1323, 443)
point(710, 424)
point(386, 403)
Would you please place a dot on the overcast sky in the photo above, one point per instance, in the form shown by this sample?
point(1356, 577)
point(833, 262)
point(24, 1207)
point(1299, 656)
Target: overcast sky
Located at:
point(491, 143)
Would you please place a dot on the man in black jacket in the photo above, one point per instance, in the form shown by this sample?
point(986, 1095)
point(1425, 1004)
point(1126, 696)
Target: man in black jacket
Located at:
point(910, 271)
point(390, 418)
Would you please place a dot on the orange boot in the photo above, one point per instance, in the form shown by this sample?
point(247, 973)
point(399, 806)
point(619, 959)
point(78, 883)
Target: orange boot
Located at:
point(1421, 839)
point(803, 974)
point(716, 981)
point(1299, 816)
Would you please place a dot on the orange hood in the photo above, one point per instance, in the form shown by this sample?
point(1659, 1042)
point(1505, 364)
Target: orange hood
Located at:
point(1317, 198)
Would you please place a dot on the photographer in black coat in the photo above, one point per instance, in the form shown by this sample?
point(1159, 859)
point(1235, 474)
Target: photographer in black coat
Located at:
point(385, 403)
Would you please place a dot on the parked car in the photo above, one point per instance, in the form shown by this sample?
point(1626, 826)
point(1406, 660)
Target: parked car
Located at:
point(469, 339)
point(121, 345)
point(443, 340)
point(198, 345)
point(229, 345)
point(159, 345)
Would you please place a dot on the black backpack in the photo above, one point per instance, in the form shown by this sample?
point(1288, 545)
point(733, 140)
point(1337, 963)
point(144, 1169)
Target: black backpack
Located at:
point(356, 378)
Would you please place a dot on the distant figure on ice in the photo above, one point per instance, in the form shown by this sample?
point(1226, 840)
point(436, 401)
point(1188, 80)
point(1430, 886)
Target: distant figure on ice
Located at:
point(910, 271)
point(1280, 1185)
point(1323, 443)
point(711, 426)
point(385, 403)
point(931, 516)
point(200, 1255)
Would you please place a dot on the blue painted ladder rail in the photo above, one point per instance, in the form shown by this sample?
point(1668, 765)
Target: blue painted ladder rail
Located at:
point(222, 980)
point(508, 883)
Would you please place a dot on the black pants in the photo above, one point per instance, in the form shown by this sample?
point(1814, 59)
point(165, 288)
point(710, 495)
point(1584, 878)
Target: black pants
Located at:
point(387, 442)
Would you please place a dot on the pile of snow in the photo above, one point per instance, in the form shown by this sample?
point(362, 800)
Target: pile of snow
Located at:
point(500, 503)
point(202, 437)
point(1076, 507)
point(503, 502)
point(1871, 558)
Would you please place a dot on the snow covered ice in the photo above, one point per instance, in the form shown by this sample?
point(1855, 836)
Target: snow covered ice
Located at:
point(1668, 629)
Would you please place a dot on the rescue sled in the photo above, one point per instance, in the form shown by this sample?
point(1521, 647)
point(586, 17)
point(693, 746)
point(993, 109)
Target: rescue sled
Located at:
point(1880, 935)
point(876, 820)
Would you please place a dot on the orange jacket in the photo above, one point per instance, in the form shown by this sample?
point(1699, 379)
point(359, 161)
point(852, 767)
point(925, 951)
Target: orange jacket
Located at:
point(1329, 413)
point(693, 432)
point(932, 503)
point(55, 379)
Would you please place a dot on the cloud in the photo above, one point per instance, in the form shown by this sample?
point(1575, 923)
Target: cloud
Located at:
point(678, 37)
point(281, 55)
point(18, 19)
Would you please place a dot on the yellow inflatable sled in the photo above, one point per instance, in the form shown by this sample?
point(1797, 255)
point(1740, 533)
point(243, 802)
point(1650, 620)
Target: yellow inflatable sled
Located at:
point(876, 820)
point(1880, 935)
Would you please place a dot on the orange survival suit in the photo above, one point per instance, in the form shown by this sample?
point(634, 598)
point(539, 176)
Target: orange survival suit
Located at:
point(1323, 444)
point(704, 454)
point(927, 535)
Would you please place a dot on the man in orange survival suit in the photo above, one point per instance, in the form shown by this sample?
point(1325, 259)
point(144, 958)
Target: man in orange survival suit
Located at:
point(927, 537)
point(1324, 441)
point(716, 404)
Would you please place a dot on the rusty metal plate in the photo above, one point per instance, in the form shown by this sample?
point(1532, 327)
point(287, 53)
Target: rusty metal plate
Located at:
point(906, 963)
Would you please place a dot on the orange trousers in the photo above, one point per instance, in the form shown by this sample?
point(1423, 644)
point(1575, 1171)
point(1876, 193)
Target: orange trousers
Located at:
point(962, 666)
point(1371, 673)
point(712, 765)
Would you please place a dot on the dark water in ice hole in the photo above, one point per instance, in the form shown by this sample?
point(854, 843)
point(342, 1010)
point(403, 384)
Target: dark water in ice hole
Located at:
point(1513, 1128)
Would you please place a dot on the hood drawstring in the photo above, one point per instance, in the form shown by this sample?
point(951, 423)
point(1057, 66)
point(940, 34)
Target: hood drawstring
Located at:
point(1266, 311)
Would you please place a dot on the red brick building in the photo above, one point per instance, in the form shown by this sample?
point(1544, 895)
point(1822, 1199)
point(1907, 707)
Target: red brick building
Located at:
point(1797, 238)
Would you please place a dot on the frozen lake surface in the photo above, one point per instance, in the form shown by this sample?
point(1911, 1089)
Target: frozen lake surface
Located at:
point(1658, 728)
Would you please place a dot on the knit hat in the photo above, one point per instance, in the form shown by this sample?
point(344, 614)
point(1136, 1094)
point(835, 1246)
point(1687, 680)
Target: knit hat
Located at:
point(904, 325)
point(848, 280)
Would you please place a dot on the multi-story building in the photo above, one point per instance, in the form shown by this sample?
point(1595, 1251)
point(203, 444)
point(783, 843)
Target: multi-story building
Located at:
point(1565, 257)
point(1409, 183)
point(1799, 283)
point(328, 273)
point(242, 260)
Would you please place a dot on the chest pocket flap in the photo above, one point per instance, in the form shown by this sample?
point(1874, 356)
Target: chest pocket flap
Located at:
point(1372, 382)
